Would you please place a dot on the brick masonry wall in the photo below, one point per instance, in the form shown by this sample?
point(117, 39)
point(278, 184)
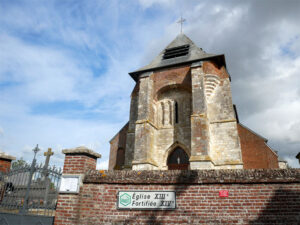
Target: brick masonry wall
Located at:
point(118, 141)
point(176, 76)
point(255, 152)
point(4, 165)
point(210, 67)
point(255, 197)
point(78, 163)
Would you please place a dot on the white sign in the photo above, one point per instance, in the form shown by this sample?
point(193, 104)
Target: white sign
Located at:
point(152, 200)
point(69, 184)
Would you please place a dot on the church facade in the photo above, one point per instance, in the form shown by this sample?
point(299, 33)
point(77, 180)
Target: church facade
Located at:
point(182, 117)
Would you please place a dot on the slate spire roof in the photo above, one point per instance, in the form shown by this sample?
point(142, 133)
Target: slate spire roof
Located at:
point(180, 51)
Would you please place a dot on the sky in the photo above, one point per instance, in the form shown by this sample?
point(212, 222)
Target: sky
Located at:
point(64, 67)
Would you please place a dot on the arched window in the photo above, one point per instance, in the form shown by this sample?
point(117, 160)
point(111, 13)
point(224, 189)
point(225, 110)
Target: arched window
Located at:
point(178, 160)
point(170, 113)
point(120, 159)
point(162, 113)
point(176, 112)
point(165, 113)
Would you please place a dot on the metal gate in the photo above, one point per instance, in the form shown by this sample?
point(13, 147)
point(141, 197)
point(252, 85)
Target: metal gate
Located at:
point(28, 195)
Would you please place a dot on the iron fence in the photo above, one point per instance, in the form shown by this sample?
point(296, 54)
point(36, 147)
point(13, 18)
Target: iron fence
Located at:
point(30, 190)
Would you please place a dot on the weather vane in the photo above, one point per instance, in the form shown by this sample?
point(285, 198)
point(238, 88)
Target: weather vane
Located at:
point(181, 21)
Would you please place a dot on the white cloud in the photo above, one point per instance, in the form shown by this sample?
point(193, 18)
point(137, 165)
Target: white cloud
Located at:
point(102, 165)
point(149, 3)
point(57, 134)
point(41, 73)
point(1, 131)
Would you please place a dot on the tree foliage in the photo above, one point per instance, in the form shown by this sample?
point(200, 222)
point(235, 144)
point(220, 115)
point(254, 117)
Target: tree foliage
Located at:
point(18, 163)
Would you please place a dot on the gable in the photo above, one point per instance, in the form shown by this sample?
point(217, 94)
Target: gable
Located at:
point(256, 154)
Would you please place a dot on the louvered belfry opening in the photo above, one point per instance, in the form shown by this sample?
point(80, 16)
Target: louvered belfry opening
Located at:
point(176, 52)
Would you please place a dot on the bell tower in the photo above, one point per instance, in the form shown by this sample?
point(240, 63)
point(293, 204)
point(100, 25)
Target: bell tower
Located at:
point(181, 113)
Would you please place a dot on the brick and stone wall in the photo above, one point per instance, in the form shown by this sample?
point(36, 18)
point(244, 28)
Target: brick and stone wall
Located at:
point(207, 128)
point(175, 76)
point(198, 95)
point(186, 102)
point(5, 165)
point(255, 197)
point(256, 153)
point(79, 160)
point(116, 143)
point(5, 162)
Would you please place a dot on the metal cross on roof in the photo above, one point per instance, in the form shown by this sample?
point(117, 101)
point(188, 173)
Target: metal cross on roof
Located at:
point(181, 21)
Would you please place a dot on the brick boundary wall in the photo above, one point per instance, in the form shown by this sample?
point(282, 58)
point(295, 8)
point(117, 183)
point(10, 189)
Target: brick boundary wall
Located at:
point(5, 162)
point(79, 160)
point(5, 165)
point(255, 197)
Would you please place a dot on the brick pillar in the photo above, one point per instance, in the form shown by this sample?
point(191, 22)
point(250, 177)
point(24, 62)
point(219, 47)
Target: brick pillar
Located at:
point(5, 162)
point(77, 162)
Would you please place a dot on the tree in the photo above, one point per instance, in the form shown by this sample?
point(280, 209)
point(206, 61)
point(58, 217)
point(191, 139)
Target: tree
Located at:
point(18, 163)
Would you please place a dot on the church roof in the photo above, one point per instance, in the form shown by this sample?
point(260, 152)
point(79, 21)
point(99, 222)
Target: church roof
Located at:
point(180, 51)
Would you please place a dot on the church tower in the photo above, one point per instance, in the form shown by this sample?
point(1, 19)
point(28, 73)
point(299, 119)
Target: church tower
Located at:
point(181, 114)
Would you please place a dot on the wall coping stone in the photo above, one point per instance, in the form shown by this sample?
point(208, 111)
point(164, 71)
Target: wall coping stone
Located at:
point(193, 176)
point(3, 155)
point(81, 150)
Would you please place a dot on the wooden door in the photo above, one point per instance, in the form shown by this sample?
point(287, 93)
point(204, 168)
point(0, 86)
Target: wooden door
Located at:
point(178, 160)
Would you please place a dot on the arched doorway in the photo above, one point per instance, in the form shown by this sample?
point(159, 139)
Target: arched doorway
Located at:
point(178, 160)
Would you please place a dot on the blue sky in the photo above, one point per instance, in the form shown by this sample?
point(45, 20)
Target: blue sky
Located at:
point(64, 67)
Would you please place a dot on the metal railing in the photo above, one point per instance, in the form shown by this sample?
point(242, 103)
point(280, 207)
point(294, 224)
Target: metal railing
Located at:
point(30, 189)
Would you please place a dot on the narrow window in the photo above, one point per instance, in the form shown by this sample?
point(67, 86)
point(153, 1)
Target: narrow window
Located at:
point(176, 112)
point(162, 113)
point(170, 113)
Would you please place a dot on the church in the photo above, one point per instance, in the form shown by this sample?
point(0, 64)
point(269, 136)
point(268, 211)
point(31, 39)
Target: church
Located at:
point(182, 117)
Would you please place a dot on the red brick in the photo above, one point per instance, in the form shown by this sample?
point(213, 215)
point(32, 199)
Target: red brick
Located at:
point(255, 153)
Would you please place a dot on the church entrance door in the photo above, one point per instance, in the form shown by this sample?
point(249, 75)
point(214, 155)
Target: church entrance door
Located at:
point(178, 160)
